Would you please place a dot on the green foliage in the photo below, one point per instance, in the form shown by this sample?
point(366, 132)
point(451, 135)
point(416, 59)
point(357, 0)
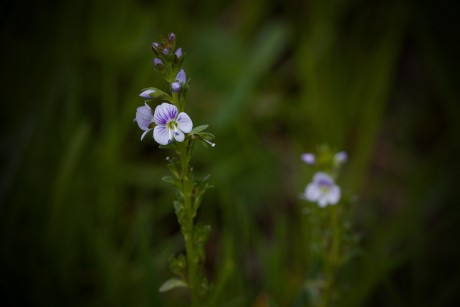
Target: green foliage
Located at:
point(87, 221)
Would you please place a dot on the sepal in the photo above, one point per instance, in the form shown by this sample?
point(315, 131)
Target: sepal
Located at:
point(154, 93)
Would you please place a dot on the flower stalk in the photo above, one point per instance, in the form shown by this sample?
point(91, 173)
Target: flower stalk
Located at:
point(333, 242)
point(173, 129)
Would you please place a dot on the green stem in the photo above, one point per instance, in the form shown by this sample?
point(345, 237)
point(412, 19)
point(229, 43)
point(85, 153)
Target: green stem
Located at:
point(332, 258)
point(187, 228)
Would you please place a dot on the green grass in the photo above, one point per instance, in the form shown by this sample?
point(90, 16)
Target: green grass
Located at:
point(86, 220)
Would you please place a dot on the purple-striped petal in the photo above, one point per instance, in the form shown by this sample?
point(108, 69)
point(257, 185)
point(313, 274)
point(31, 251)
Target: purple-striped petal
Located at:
point(144, 117)
point(164, 113)
point(323, 179)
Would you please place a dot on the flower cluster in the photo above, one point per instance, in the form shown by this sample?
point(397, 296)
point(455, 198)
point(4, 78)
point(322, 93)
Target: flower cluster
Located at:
point(169, 122)
point(323, 189)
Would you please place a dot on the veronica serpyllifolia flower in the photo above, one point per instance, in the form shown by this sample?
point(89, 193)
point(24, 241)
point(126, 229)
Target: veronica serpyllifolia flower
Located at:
point(181, 78)
point(144, 119)
point(308, 158)
point(323, 190)
point(170, 124)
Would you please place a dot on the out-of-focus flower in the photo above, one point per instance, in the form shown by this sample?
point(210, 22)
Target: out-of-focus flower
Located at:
point(323, 190)
point(308, 158)
point(340, 158)
point(144, 119)
point(170, 124)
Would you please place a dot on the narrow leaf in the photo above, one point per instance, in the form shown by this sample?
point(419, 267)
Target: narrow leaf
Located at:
point(171, 284)
point(199, 129)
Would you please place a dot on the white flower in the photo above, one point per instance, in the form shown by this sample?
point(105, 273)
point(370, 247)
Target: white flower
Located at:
point(170, 124)
point(323, 190)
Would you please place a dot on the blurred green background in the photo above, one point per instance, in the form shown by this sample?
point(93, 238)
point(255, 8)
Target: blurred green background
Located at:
point(85, 219)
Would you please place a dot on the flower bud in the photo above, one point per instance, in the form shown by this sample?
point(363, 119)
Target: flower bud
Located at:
point(178, 54)
point(152, 93)
point(165, 51)
point(171, 38)
point(158, 64)
point(175, 87)
point(156, 48)
point(308, 158)
point(340, 158)
point(146, 93)
point(181, 77)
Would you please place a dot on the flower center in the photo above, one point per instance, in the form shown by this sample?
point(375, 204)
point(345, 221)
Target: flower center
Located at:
point(324, 185)
point(171, 124)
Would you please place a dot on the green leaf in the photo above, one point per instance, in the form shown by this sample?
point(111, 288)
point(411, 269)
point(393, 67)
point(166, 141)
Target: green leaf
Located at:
point(171, 180)
point(171, 284)
point(199, 129)
point(206, 135)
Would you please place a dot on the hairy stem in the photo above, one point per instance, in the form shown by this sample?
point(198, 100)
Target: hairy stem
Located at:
point(332, 259)
point(187, 227)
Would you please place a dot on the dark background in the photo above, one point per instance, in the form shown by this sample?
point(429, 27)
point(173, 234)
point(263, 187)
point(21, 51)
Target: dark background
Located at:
point(85, 219)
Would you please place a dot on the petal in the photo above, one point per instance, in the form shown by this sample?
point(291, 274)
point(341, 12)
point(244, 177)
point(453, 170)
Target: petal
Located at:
point(333, 196)
point(144, 117)
point(323, 179)
point(146, 94)
point(181, 77)
point(164, 113)
point(178, 135)
point(157, 61)
point(322, 201)
point(145, 132)
point(312, 192)
point(161, 135)
point(184, 122)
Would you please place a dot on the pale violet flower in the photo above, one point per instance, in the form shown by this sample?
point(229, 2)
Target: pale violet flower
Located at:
point(323, 190)
point(308, 158)
point(181, 78)
point(340, 158)
point(170, 124)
